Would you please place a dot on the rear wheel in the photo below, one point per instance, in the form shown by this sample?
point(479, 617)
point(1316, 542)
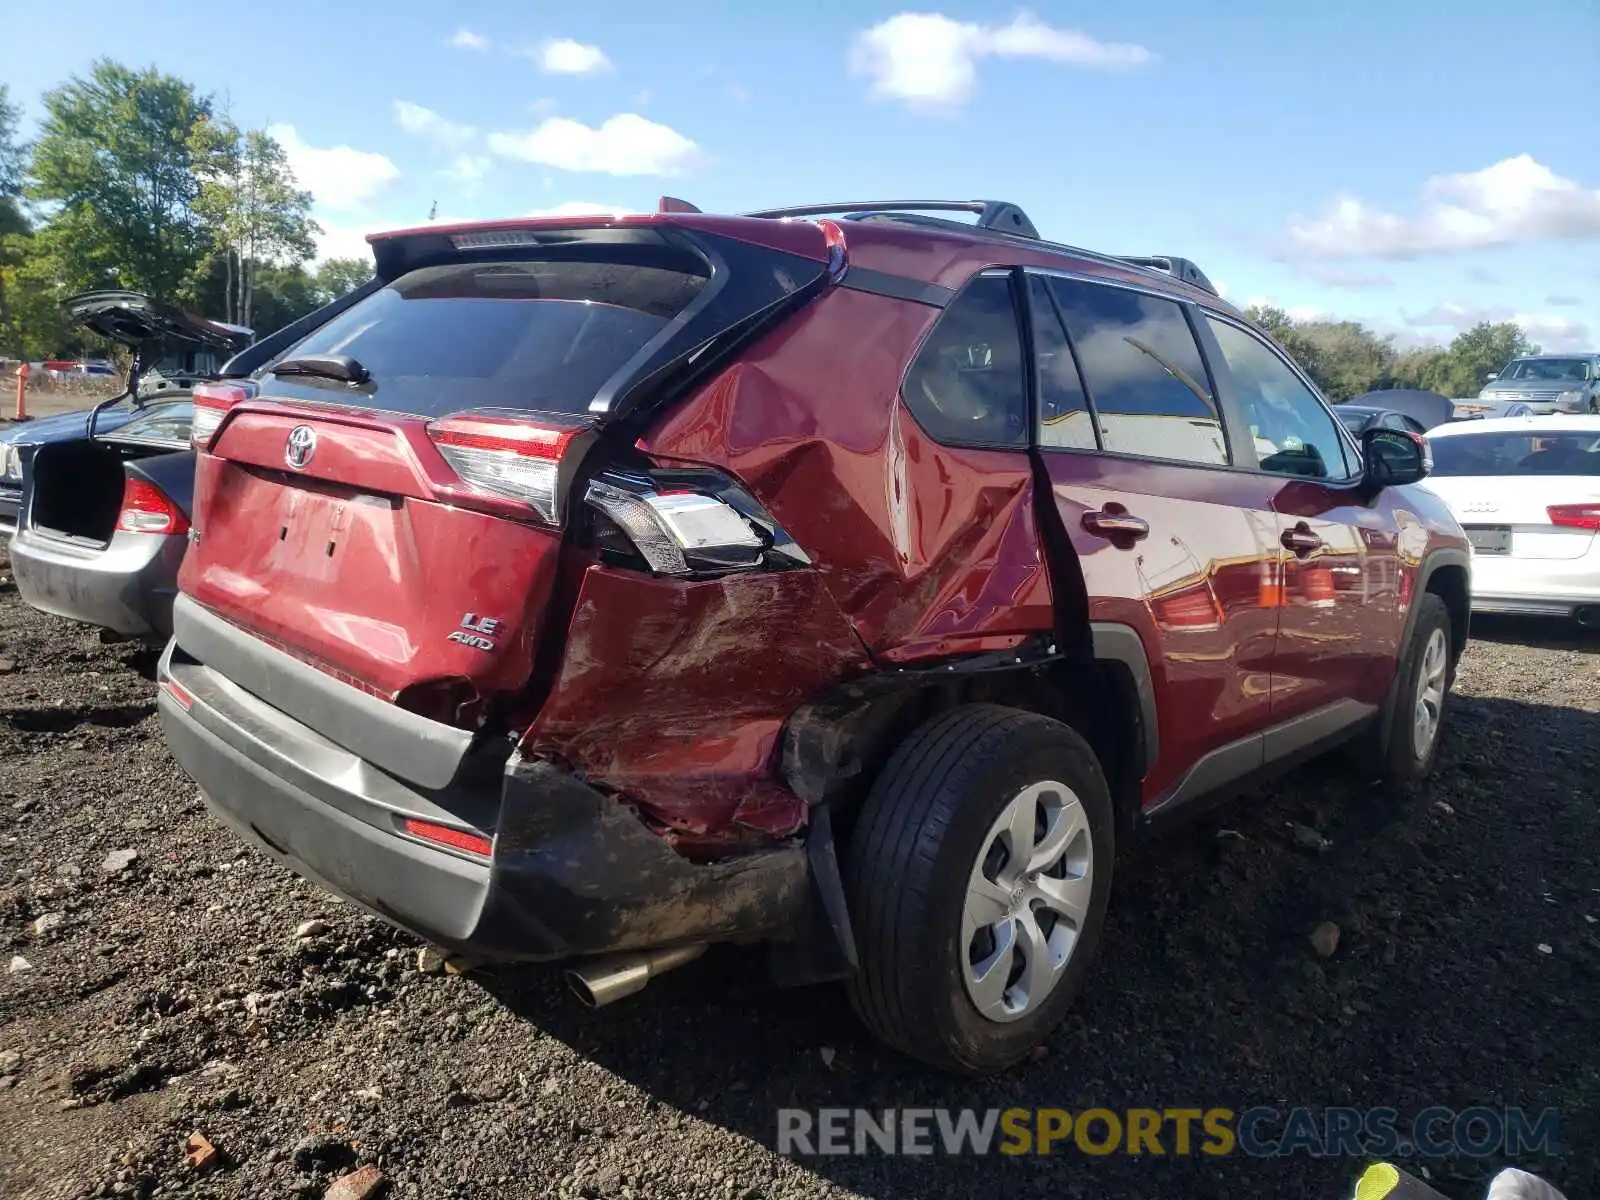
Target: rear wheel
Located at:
point(979, 874)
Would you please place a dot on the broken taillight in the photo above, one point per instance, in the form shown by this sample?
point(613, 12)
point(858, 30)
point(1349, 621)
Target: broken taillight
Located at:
point(515, 457)
point(706, 524)
point(211, 404)
point(147, 509)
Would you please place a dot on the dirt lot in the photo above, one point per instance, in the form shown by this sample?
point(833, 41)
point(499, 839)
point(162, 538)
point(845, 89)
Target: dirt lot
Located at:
point(169, 993)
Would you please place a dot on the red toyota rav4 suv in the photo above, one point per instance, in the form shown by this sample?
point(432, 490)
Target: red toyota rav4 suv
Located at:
point(598, 589)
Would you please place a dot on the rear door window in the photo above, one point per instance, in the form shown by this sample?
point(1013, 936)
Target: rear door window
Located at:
point(538, 335)
point(967, 386)
point(1143, 371)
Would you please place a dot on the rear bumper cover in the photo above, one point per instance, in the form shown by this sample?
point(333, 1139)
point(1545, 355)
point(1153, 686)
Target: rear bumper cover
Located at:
point(573, 872)
point(126, 586)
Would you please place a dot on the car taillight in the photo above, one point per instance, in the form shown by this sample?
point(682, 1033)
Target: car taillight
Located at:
point(211, 403)
point(514, 457)
point(693, 523)
point(147, 509)
point(1575, 516)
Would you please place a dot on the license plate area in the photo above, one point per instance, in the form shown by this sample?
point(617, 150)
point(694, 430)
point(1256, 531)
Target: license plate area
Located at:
point(1490, 539)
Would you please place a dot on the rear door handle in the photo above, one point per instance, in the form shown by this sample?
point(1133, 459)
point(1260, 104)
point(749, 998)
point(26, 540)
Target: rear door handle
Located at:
point(1300, 539)
point(1116, 523)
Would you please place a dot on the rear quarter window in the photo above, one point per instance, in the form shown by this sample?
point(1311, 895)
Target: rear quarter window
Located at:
point(537, 335)
point(966, 385)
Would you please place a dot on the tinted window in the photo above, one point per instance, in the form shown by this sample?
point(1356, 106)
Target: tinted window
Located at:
point(535, 335)
point(967, 383)
point(1143, 372)
point(1517, 454)
point(1064, 420)
point(1293, 432)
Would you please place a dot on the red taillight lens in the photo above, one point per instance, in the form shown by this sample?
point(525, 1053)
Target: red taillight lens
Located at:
point(1575, 516)
point(179, 693)
point(211, 403)
point(456, 839)
point(147, 509)
point(509, 456)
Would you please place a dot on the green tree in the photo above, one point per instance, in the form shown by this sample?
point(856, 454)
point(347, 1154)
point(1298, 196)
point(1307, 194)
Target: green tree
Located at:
point(1349, 358)
point(113, 170)
point(250, 202)
point(336, 276)
point(15, 244)
point(1483, 348)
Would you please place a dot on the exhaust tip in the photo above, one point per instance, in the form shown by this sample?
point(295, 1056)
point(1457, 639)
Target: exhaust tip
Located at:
point(1588, 616)
point(579, 987)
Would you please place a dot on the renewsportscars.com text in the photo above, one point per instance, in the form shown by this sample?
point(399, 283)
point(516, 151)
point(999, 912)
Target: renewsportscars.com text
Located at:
point(1259, 1132)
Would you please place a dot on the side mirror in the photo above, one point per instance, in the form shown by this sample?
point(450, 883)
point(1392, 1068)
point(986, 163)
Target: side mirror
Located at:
point(1492, 375)
point(1394, 456)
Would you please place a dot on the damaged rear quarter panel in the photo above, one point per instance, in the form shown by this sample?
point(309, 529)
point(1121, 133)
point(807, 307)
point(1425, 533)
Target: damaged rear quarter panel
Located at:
point(929, 549)
point(674, 693)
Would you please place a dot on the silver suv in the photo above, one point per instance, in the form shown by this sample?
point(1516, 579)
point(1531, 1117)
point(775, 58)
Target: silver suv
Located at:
point(1549, 383)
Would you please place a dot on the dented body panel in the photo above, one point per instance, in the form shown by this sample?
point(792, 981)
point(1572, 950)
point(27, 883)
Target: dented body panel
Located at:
point(674, 694)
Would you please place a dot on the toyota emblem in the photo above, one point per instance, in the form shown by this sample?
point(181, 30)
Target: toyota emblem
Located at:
point(301, 446)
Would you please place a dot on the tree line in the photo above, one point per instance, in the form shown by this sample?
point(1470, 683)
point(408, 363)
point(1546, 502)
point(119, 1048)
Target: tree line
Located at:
point(1346, 359)
point(136, 180)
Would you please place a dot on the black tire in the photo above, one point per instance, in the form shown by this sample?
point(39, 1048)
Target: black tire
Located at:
point(907, 868)
point(1389, 753)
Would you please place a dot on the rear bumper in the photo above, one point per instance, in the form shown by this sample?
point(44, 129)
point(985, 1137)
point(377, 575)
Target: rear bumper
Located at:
point(572, 872)
point(126, 586)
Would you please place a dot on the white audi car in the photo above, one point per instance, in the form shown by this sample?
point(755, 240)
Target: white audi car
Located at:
point(1527, 491)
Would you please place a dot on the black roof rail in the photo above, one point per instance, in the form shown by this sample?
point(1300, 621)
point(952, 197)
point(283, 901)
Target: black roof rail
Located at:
point(1178, 268)
point(999, 215)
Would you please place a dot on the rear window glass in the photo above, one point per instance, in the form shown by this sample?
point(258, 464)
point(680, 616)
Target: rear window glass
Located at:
point(537, 335)
point(1552, 453)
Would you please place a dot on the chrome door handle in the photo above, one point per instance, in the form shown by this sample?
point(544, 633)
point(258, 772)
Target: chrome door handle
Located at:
point(1300, 539)
point(1119, 525)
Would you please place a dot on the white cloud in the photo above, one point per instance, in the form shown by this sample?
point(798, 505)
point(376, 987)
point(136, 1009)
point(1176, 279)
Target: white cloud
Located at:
point(1552, 332)
point(1514, 200)
point(1295, 312)
point(338, 177)
point(465, 39)
point(626, 144)
point(468, 169)
point(929, 60)
point(425, 123)
point(344, 241)
point(1341, 277)
point(563, 56)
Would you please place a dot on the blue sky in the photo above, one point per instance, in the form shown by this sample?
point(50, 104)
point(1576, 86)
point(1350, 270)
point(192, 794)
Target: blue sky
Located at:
point(1417, 166)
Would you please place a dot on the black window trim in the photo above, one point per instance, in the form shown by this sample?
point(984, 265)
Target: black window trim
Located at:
point(1217, 402)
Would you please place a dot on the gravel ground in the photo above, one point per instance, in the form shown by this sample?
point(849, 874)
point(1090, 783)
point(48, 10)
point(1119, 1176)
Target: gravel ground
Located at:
point(171, 991)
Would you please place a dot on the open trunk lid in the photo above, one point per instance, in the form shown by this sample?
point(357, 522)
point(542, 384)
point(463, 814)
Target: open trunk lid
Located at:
point(385, 500)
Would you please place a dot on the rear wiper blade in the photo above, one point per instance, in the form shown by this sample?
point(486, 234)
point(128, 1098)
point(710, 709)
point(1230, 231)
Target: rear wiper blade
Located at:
point(324, 366)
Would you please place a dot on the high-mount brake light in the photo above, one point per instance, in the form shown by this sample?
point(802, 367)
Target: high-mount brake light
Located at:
point(513, 457)
point(211, 404)
point(496, 239)
point(1575, 516)
point(147, 509)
